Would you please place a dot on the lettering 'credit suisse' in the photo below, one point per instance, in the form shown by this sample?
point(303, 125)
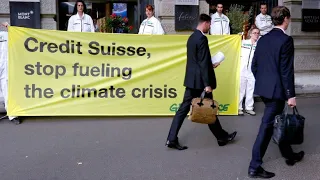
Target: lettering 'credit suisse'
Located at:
point(32, 45)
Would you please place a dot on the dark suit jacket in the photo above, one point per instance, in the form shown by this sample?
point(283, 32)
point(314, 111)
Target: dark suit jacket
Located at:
point(199, 70)
point(273, 66)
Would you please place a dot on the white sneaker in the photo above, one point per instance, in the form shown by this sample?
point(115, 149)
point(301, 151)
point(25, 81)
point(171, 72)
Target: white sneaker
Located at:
point(240, 112)
point(251, 112)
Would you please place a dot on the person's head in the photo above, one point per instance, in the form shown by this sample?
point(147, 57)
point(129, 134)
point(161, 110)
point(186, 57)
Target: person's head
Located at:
point(219, 8)
point(281, 17)
point(254, 33)
point(204, 23)
point(79, 7)
point(149, 11)
point(263, 8)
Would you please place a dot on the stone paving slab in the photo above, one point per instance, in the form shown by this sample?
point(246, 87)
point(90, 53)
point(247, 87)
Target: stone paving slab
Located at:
point(99, 148)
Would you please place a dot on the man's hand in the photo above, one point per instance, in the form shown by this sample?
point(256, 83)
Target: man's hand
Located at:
point(5, 24)
point(208, 89)
point(215, 65)
point(292, 102)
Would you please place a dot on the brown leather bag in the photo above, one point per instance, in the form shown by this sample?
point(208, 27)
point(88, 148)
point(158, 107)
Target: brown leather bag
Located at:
point(203, 110)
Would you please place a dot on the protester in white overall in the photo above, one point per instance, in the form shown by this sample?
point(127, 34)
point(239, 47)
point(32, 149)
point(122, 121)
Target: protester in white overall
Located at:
point(4, 70)
point(151, 25)
point(219, 22)
point(247, 80)
point(79, 21)
point(263, 20)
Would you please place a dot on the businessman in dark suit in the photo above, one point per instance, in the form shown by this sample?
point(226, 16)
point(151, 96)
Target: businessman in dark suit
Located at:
point(199, 76)
point(273, 69)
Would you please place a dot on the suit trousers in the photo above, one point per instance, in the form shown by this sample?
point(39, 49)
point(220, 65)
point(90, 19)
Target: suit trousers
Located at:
point(272, 108)
point(183, 111)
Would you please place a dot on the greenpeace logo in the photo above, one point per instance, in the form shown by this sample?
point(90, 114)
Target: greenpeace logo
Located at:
point(222, 107)
point(24, 15)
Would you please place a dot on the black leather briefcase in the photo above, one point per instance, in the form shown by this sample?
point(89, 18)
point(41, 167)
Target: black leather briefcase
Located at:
point(289, 127)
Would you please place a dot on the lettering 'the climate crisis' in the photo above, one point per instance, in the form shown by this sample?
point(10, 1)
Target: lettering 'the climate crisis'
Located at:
point(31, 44)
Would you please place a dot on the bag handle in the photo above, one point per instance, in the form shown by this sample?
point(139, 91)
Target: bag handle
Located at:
point(285, 110)
point(202, 97)
point(294, 109)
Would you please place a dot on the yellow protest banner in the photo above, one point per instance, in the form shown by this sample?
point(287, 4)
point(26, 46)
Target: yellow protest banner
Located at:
point(59, 73)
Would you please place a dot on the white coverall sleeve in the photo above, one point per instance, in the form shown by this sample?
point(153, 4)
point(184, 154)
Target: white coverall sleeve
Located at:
point(262, 25)
point(212, 25)
point(91, 24)
point(140, 28)
point(70, 24)
point(158, 29)
point(4, 73)
point(227, 28)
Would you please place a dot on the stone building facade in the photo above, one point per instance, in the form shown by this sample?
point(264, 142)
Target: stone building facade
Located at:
point(307, 44)
point(48, 10)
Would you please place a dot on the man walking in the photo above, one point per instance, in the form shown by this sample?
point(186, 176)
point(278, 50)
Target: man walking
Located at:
point(272, 66)
point(199, 76)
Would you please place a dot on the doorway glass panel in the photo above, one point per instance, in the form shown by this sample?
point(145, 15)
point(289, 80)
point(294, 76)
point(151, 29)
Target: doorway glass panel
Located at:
point(101, 8)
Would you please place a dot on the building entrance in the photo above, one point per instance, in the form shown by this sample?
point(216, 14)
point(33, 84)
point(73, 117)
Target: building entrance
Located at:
point(134, 10)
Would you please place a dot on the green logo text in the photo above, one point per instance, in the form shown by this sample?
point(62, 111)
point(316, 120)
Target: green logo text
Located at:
point(222, 107)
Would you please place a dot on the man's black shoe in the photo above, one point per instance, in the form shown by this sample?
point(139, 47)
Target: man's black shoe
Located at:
point(229, 138)
point(260, 173)
point(175, 145)
point(296, 158)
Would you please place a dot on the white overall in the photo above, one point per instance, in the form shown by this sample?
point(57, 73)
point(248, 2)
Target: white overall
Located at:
point(219, 24)
point(4, 68)
point(264, 23)
point(247, 80)
point(151, 26)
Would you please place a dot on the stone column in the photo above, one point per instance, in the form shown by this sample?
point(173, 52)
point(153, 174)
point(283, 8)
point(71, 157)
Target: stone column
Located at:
point(307, 51)
point(47, 10)
point(280, 2)
point(4, 11)
point(164, 10)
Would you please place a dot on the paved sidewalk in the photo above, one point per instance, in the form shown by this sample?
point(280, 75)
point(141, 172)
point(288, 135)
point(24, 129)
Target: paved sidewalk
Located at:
point(98, 148)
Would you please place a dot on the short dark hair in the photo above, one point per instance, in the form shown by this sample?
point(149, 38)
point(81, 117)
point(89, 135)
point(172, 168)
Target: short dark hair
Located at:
point(204, 18)
point(149, 7)
point(75, 10)
point(263, 4)
point(279, 13)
